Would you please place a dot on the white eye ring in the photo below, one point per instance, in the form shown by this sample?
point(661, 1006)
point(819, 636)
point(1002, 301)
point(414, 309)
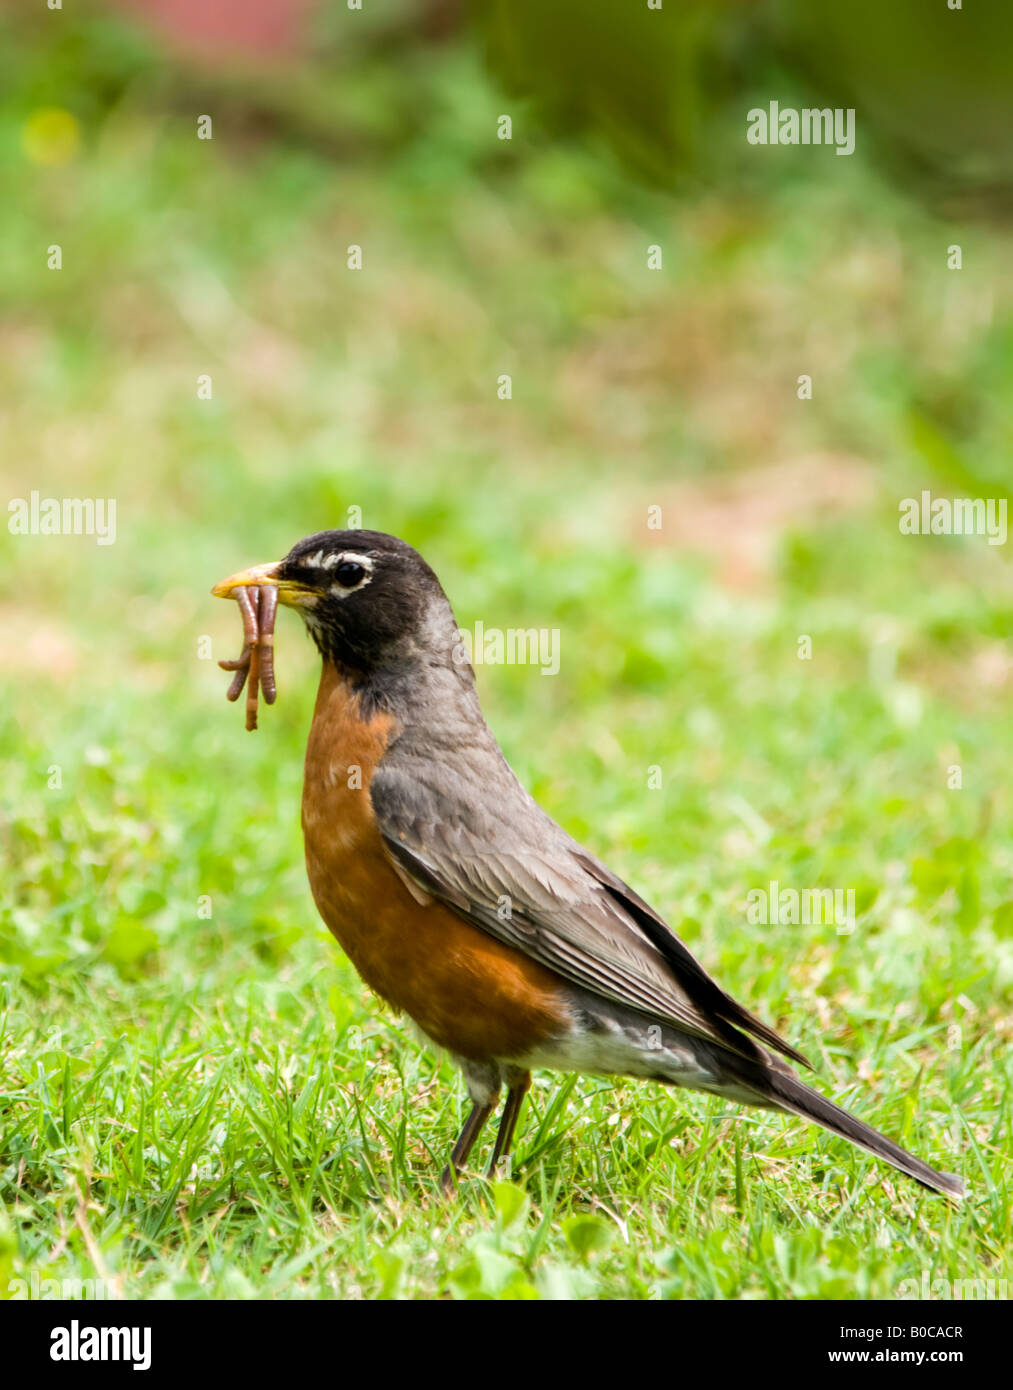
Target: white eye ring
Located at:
point(364, 561)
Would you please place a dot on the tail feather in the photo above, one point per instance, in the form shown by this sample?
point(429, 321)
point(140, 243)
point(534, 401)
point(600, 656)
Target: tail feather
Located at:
point(793, 1095)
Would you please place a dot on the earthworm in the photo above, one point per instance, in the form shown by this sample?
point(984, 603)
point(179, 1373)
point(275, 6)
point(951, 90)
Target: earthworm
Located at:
point(268, 612)
point(258, 606)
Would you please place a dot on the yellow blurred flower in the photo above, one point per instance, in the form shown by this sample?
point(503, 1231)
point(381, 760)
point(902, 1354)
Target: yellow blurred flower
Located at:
point(51, 136)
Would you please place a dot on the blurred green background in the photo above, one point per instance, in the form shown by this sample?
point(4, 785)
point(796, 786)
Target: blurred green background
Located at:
point(213, 1106)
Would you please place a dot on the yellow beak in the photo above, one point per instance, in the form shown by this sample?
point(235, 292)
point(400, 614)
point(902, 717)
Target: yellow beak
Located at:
point(288, 590)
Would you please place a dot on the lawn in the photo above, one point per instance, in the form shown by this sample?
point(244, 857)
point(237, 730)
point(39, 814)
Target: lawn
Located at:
point(197, 1096)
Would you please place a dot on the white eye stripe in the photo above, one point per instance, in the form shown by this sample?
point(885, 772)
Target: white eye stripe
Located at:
point(353, 558)
point(319, 561)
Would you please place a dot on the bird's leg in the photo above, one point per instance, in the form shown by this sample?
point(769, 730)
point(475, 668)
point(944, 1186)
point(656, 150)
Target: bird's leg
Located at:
point(517, 1089)
point(480, 1112)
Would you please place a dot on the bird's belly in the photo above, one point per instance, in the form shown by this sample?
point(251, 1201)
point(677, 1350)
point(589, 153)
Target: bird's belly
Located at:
point(611, 1043)
point(467, 991)
point(617, 1053)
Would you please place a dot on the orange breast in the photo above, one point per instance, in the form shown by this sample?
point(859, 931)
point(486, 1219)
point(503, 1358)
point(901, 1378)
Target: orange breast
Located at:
point(464, 989)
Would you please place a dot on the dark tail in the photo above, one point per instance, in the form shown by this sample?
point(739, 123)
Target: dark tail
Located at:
point(793, 1095)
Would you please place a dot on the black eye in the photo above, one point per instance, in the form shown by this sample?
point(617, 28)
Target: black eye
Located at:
point(348, 574)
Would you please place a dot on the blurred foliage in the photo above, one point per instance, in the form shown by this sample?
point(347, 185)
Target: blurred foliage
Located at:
point(669, 87)
point(245, 1120)
point(666, 89)
point(935, 84)
point(649, 82)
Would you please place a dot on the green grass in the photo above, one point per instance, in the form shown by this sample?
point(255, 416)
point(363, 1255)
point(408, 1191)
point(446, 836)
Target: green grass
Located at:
point(212, 1106)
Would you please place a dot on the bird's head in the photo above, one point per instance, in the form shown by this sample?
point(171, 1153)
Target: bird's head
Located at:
point(370, 602)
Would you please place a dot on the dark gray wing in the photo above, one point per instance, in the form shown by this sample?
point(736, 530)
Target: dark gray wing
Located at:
point(484, 848)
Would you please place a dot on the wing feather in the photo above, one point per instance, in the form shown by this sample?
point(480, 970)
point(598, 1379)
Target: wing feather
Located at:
point(541, 892)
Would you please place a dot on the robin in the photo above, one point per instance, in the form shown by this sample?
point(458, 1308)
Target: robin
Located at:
point(462, 903)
